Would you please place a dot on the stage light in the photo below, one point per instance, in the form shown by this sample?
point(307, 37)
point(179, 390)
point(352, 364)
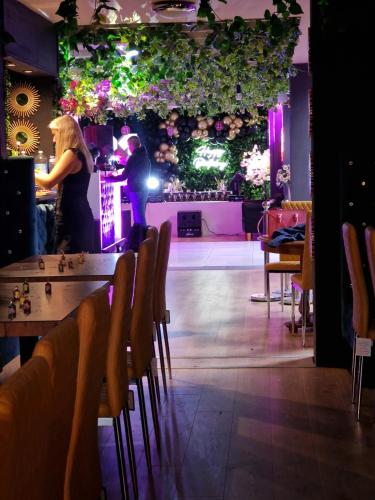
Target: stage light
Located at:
point(153, 183)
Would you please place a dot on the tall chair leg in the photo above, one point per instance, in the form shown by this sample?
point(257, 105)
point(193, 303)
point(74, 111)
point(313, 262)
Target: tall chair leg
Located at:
point(130, 447)
point(360, 386)
point(354, 369)
point(268, 295)
point(282, 290)
point(120, 458)
point(146, 436)
point(154, 410)
point(156, 377)
point(293, 309)
point(305, 298)
point(167, 351)
point(161, 356)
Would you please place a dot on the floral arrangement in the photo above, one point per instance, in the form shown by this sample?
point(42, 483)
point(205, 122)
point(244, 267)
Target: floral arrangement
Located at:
point(257, 165)
point(101, 77)
point(283, 175)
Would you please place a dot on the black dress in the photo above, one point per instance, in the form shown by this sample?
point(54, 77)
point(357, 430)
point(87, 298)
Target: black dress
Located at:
point(74, 219)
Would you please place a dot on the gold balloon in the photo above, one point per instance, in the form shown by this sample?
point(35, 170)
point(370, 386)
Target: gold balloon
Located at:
point(232, 117)
point(173, 116)
point(210, 122)
point(169, 156)
point(202, 124)
point(205, 133)
point(237, 130)
point(227, 120)
point(162, 125)
point(175, 132)
point(163, 146)
point(232, 126)
point(194, 134)
point(238, 122)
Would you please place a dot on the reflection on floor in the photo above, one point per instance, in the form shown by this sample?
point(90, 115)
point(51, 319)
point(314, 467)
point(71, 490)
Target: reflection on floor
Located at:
point(248, 416)
point(255, 433)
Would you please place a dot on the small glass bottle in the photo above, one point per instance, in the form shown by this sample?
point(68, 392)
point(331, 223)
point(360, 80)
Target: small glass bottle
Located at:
point(70, 264)
point(26, 287)
point(41, 163)
point(16, 293)
point(22, 300)
point(11, 309)
point(42, 265)
point(48, 288)
point(61, 266)
point(27, 306)
point(81, 258)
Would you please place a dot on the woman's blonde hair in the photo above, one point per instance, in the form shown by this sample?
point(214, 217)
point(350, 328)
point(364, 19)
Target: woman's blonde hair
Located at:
point(68, 136)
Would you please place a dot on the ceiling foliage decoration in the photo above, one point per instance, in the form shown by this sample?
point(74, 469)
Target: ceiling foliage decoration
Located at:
point(122, 70)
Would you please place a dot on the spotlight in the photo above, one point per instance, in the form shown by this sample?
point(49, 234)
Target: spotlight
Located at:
point(153, 183)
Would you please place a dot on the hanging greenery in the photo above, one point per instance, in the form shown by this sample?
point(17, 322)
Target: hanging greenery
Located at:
point(239, 67)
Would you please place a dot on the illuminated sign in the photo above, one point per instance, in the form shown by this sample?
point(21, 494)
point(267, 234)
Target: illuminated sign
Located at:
point(209, 157)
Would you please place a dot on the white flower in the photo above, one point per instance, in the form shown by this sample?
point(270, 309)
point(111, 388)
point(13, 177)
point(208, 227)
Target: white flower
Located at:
point(257, 166)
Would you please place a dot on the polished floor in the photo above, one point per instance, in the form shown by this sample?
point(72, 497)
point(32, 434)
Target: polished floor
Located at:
point(248, 416)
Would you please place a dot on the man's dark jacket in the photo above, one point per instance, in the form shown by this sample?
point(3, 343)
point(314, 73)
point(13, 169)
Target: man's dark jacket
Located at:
point(137, 170)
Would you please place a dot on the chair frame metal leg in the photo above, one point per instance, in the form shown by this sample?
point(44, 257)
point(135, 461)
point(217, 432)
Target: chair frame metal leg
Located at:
point(161, 357)
point(293, 309)
point(156, 377)
point(130, 447)
point(145, 432)
point(282, 290)
point(154, 410)
point(354, 369)
point(268, 293)
point(305, 308)
point(167, 351)
point(120, 458)
point(359, 386)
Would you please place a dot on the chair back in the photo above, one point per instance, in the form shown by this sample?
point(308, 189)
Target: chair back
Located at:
point(297, 205)
point(25, 404)
point(152, 233)
point(60, 349)
point(360, 295)
point(370, 247)
point(307, 262)
point(141, 330)
point(161, 267)
point(83, 478)
point(116, 366)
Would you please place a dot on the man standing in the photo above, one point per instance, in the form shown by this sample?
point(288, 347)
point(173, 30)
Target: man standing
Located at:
point(137, 172)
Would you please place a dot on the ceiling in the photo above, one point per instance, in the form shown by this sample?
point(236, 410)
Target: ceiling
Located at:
point(248, 9)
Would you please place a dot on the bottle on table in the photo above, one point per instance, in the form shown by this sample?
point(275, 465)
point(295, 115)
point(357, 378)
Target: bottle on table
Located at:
point(41, 163)
point(48, 288)
point(27, 305)
point(12, 309)
point(16, 293)
point(26, 287)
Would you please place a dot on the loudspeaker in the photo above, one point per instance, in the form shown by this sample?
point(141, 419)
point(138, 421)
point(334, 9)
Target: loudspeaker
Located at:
point(189, 224)
point(18, 219)
point(252, 212)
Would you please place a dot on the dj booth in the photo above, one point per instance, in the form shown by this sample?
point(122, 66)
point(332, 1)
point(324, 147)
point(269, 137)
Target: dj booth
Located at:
point(196, 218)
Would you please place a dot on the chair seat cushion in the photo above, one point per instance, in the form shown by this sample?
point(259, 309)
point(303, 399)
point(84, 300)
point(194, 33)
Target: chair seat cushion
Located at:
point(286, 266)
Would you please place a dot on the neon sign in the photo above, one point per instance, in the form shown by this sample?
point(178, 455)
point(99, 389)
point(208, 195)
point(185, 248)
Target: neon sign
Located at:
point(209, 157)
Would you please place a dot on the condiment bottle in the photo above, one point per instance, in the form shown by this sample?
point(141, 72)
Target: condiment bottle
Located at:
point(48, 288)
point(27, 306)
point(42, 265)
point(16, 293)
point(11, 309)
point(26, 287)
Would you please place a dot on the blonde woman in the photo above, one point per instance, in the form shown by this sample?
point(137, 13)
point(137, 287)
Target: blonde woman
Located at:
point(71, 174)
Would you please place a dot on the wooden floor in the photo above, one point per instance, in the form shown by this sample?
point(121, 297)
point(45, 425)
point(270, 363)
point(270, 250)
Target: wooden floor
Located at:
point(233, 430)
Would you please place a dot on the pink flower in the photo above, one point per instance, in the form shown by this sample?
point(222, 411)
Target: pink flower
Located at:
point(73, 84)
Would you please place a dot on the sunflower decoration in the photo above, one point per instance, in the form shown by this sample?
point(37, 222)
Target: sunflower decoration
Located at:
point(23, 100)
point(23, 136)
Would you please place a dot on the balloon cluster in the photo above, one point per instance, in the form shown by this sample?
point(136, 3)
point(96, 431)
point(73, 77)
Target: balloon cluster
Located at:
point(170, 125)
point(234, 123)
point(202, 130)
point(166, 153)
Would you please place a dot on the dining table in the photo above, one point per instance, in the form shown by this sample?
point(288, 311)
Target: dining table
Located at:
point(47, 309)
point(83, 267)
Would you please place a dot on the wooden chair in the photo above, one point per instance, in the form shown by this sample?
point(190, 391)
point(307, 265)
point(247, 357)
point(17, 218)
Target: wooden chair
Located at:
point(304, 281)
point(286, 265)
point(25, 406)
point(370, 247)
point(141, 338)
point(159, 301)
point(83, 477)
point(362, 326)
point(114, 398)
point(60, 349)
